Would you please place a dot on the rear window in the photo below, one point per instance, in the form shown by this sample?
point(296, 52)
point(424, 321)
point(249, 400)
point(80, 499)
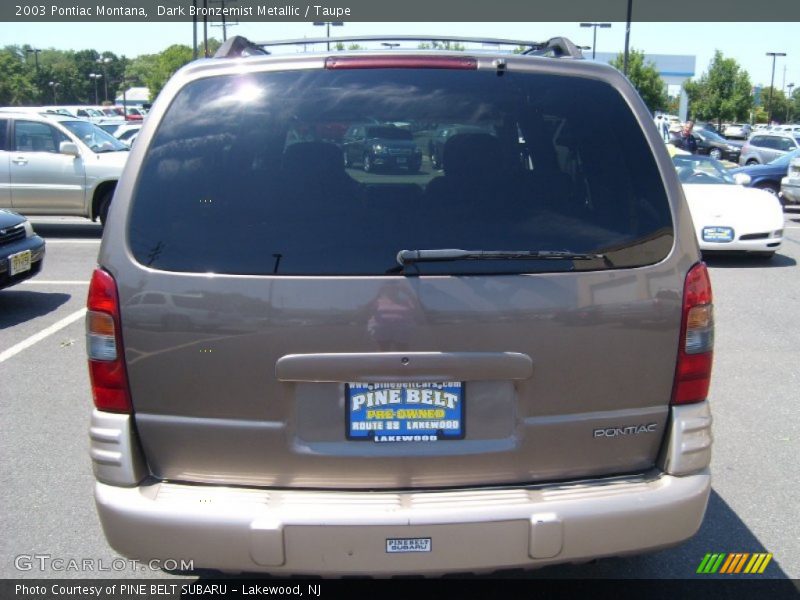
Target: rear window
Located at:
point(251, 174)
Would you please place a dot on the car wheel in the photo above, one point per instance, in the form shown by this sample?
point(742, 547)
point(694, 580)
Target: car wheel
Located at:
point(752, 161)
point(768, 187)
point(368, 166)
point(715, 153)
point(105, 204)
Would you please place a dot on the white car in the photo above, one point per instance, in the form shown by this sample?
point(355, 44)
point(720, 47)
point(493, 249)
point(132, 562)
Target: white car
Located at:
point(127, 133)
point(729, 217)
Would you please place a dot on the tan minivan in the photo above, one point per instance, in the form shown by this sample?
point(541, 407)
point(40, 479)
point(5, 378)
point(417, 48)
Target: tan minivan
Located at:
point(489, 364)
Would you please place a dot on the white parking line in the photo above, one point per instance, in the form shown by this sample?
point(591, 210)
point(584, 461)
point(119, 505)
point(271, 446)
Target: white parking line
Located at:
point(69, 241)
point(14, 350)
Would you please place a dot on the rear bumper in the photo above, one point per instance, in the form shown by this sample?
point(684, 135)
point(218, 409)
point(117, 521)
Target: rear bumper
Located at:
point(339, 533)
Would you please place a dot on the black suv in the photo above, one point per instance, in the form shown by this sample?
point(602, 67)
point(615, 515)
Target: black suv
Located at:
point(381, 146)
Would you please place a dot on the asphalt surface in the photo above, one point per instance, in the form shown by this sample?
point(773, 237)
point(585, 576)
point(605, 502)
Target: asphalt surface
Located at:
point(46, 476)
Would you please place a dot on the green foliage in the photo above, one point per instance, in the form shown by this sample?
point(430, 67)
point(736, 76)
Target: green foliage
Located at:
point(780, 104)
point(645, 78)
point(16, 84)
point(723, 93)
point(442, 46)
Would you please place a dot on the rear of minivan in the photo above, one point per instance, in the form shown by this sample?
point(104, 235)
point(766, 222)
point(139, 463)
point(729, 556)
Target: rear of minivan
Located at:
point(503, 363)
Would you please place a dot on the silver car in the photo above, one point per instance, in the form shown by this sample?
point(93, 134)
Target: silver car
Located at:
point(56, 165)
point(763, 148)
point(503, 363)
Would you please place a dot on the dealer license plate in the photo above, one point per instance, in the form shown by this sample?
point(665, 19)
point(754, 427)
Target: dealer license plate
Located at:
point(19, 262)
point(408, 545)
point(404, 412)
point(718, 234)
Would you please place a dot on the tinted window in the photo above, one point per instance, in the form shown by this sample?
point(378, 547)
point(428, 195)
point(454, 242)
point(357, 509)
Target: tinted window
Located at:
point(3, 133)
point(758, 140)
point(30, 136)
point(246, 174)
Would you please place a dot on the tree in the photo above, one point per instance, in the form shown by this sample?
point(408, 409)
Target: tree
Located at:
point(645, 78)
point(723, 93)
point(780, 104)
point(442, 46)
point(17, 86)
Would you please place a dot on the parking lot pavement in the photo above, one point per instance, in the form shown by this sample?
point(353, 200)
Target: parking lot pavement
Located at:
point(45, 402)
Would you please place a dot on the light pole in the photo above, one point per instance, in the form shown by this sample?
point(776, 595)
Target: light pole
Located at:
point(328, 24)
point(594, 26)
point(95, 76)
point(54, 85)
point(103, 62)
point(35, 52)
point(627, 37)
point(789, 104)
point(774, 55)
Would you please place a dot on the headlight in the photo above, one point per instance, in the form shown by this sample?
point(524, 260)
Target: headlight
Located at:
point(378, 148)
point(28, 229)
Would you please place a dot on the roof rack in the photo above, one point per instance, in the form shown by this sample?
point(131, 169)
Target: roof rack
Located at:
point(557, 47)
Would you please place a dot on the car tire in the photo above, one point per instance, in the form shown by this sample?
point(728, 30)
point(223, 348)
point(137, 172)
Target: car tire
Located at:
point(715, 153)
point(752, 161)
point(768, 186)
point(104, 206)
point(368, 166)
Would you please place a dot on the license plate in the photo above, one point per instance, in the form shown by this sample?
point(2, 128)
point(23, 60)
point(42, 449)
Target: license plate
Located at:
point(718, 234)
point(19, 262)
point(401, 160)
point(404, 412)
point(408, 545)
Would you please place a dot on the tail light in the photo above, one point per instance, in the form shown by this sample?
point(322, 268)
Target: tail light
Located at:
point(696, 349)
point(107, 370)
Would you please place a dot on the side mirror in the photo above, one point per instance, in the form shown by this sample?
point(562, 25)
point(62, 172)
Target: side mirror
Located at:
point(69, 148)
point(742, 179)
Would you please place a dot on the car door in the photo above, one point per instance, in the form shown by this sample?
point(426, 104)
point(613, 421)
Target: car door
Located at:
point(44, 181)
point(5, 183)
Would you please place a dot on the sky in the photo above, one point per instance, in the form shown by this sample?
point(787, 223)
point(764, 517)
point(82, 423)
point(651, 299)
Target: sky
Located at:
point(748, 43)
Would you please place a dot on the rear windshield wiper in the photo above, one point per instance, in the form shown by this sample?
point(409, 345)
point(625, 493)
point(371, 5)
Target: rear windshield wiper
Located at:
point(408, 257)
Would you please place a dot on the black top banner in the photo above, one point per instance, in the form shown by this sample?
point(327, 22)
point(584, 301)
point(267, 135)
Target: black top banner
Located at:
point(406, 10)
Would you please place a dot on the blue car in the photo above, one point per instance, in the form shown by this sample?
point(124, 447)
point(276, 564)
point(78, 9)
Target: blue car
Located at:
point(768, 177)
point(21, 250)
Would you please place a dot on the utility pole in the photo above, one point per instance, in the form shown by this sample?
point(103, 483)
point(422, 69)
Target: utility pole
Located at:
point(627, 37)
point(774, 55)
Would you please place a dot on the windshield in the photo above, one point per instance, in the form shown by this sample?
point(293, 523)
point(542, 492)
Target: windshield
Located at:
point(264, 160)
point(94, 137)
point(701, 169)
point(784, 160)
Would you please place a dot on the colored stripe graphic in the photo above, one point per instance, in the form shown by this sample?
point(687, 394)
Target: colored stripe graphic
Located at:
point(731, 563)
